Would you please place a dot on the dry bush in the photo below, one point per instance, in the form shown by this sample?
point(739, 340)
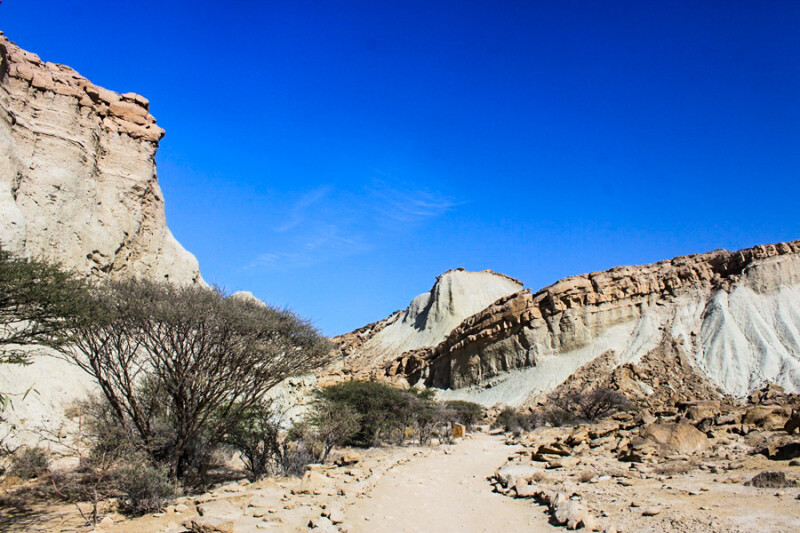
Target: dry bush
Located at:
point(591, 404)
point(179, 366)
point(30, 462)
point(143, 489)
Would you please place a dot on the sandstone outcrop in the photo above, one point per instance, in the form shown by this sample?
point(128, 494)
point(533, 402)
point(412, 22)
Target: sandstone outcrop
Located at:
point(78, 180)
point(734, 315)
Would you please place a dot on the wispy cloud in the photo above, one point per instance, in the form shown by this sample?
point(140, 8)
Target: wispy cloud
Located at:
point(299, 211)
point(408, 205)
point(325, 243)
point(325, 224)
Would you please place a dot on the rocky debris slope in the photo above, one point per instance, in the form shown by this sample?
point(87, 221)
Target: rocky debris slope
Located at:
point(431, 316)
point(78, 180)
point(693, 466)
point(663, 377)
point(735, 315)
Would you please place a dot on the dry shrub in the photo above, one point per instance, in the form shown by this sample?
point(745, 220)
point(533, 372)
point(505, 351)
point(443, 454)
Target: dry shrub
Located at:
point(30, 462)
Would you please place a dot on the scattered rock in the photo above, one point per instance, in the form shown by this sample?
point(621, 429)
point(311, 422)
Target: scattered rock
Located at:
point(771, 480)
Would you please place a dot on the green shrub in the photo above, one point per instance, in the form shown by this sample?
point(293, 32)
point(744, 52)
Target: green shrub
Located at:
point(381, 408)
point(466, 413)
point(333, 424)
point(256, 436)
point(512, 420)
point(144, 489)
point(30, 462)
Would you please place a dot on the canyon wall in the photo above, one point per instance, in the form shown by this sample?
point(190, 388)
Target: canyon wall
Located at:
point(78, 180)
point(734, 317)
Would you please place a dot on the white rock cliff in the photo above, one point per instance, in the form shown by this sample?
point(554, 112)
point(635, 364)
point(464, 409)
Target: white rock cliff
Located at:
point(78, 179)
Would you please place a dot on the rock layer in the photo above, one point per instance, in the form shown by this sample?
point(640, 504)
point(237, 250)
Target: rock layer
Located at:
point(78, 180)
point(736, 315)
point(431, 316)
point(78, 185)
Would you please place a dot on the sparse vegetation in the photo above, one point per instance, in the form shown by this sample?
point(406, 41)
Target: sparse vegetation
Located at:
point(333, 424)
point(591, 404)
point(256, 435)
point(511, 419)
point(30, 462)
point(144, 488)
point(181, 366)
point(366, 413)
point(466, 413)
point(38, 300)
point(382, 409)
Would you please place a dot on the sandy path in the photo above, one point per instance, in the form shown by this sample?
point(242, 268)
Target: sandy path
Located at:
point(444, 493)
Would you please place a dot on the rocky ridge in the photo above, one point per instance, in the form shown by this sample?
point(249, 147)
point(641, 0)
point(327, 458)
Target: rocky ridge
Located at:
point(731, 316)
point(429, 318)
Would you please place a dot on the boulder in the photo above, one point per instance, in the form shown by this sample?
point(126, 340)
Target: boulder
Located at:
point(675, 438)
point(701, 410)
point(210, 525)
point(347, 459)
point(768, 417)
point(507, 473)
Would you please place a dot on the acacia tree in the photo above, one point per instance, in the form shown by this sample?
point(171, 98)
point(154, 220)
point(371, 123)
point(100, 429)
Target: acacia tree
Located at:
point(36, 300)
point(189, 358)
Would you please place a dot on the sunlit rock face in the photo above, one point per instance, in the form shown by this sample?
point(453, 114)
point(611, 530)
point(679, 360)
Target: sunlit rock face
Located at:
point(78, 180)
point(736, 315)
point(427, 321)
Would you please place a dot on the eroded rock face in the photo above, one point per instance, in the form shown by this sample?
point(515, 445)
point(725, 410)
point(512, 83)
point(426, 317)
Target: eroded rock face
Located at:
point(735, 315)
point(78, 181)
point(431, 316)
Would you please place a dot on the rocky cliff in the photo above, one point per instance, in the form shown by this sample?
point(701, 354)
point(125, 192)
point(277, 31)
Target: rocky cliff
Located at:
point(733, 316)
point(78, 184)
point(78, 179)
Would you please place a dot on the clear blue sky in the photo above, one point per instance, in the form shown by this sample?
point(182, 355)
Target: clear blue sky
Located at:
point(335, 157)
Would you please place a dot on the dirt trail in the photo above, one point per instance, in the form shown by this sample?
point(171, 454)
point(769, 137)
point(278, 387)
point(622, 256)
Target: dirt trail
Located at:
point(446, 492)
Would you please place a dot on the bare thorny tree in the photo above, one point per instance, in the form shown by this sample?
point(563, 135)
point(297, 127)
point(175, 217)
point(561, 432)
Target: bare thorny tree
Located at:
point(189, 355)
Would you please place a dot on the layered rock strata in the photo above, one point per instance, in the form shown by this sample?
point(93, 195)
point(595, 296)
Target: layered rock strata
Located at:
point(431, 316)
point(78, 180)
point(736, 315)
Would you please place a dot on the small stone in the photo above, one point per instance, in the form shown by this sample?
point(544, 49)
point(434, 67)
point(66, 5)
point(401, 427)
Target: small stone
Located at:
point(651, 511)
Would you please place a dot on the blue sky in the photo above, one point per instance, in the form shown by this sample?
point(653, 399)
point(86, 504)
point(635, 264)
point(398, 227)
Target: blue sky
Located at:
point(335, 157)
